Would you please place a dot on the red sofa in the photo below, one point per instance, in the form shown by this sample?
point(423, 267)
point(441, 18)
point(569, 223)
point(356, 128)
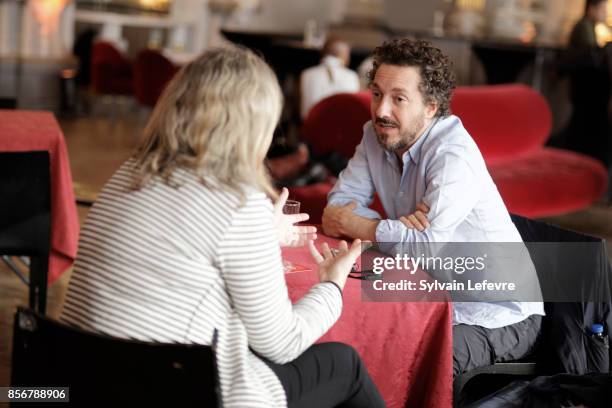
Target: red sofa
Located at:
point(510, 124)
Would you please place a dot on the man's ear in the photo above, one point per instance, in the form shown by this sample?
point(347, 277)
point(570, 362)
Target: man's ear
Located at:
point(431, 109)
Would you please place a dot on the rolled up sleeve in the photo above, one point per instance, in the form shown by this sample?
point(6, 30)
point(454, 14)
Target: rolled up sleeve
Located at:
point(452, 192)
point(355, 184)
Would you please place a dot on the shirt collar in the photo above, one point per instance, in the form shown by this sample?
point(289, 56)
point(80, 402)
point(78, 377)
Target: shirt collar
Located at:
point(331, 61)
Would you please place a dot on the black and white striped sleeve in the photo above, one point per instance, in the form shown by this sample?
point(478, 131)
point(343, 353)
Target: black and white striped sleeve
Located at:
point(250, 262)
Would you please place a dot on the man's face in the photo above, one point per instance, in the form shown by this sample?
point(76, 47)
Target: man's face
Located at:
point(398, 111)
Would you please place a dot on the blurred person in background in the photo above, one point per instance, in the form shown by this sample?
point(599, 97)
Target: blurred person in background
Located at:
point(330, 77)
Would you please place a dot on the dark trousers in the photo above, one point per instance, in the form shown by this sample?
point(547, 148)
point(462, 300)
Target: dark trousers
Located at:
point(327, 375)
point(476, 346)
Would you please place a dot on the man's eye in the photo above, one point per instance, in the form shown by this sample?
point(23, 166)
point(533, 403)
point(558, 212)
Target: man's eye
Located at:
point(376, 94)
point(400, 99)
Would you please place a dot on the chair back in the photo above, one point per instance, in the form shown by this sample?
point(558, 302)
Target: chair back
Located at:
point(106, 371)
point(505, 121)
point(25, 221)
point(111, 72)
point(571, 266)
point(335, 124)
point(152, 72)
point(576, 280)
point(564, 345)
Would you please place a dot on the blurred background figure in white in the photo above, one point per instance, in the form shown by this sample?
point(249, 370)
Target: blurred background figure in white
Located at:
point(330, 77)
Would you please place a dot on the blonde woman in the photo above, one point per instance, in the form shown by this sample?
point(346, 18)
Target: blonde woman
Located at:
point(184, 240)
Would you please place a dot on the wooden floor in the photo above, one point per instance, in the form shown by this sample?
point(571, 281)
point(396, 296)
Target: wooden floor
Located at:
point(97, 146)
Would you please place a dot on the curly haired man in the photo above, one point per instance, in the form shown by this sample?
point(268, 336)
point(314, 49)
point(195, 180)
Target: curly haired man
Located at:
point(434, 186)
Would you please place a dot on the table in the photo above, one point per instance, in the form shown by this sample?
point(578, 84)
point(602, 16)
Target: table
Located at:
point(31, 130)
point(406, 346)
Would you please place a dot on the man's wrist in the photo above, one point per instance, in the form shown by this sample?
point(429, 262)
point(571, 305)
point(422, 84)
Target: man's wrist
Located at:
point(344, 223)
point(370, 232)
point(361, 227)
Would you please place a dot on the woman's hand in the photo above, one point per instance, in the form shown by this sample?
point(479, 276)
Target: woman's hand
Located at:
point(336, 268)
point(289, 234)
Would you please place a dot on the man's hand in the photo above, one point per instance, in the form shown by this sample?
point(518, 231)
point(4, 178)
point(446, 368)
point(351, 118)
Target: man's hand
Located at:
point(417, 219)
point(336, 218)
point(290, 235)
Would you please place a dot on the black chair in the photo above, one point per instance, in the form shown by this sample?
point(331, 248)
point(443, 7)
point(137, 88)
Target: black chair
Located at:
point(106, 371)
point(481, 381)
point(25, 217)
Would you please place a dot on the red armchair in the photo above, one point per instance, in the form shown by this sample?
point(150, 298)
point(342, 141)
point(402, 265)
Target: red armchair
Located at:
point(152, 72)
point(111, 72)
point(333, 124)
point(336, 123)
point(510, 124)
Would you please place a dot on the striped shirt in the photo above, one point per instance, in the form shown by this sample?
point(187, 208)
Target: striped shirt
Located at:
point(171, 265)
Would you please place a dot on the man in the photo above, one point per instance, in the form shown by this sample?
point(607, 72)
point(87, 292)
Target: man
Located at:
point(583, 34)
point(588, 130)
point(328, 78)
point(434, 187)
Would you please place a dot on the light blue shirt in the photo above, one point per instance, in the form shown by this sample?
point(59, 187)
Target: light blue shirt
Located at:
point(444, 169)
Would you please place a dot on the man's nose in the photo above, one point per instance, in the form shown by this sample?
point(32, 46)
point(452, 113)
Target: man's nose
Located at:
point(383, 109)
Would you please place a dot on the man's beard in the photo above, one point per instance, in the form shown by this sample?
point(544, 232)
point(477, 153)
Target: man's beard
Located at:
point(406, 139)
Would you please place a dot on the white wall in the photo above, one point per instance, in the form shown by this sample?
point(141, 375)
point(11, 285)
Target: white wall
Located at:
point(411, 15)
point(417, 15)
point(554, 18)
point(288, 16)
point(55, 44)
point(9, 27)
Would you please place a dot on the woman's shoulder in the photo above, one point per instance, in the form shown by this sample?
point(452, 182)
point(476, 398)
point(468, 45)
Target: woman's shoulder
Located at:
point(254, 204)
point(188, 188)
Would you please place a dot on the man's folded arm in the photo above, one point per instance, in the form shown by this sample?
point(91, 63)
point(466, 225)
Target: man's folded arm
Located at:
point(452, 192)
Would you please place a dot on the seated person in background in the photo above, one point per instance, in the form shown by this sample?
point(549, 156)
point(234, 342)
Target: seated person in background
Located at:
point(316, 83)
point(184, 240)
point(288, 166)
point(434, 186)
point(328, 78)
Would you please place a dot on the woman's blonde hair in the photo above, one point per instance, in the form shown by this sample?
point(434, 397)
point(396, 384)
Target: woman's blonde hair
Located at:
point(215, 118)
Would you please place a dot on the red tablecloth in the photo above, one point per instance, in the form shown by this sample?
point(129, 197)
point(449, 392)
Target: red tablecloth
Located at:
point(406, 346)
point(28, 131)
